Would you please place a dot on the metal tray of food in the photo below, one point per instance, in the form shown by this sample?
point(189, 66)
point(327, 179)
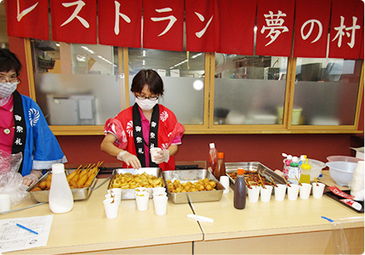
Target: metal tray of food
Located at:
point(129, 193)
point(254, 167)
point(192, 176)
point(78, 193)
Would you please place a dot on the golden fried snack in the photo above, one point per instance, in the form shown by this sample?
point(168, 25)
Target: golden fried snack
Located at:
point(201, 185)
point(131, 181)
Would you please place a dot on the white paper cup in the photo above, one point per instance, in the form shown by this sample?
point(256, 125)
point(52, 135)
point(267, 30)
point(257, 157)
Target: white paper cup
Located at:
point(111, 209)
point(160, 204)
point(5, 204)
point(253, 194)
point(154, 152)
point(224, 180)
point(158, 190)
point(117, 194)
point(265, 193)
point(293, 191)
point(142, 201)
point(280, 191)
point(305, 190)
point(318, 189)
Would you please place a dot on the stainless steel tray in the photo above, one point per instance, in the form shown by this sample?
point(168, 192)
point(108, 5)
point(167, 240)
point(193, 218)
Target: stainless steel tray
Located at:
point(192, 176)
point(129, 193)
point(78, 194)
point(255, 166)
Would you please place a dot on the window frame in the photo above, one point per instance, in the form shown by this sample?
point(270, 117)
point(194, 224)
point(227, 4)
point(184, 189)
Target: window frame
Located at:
point(208, 126)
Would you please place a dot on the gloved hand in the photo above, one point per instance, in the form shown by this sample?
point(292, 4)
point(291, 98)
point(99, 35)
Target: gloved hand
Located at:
point(161, 156)
point(30, 179)
point(129, 159)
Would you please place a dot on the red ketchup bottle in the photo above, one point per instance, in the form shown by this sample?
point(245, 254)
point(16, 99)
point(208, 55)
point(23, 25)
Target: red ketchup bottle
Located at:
point(221, 167)
point(212, 160)
point(240, 191)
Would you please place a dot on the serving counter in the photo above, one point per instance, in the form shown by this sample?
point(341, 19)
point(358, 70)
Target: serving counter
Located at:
point(273, 227)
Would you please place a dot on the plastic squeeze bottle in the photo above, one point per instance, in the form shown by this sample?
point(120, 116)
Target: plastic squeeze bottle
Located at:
point(240, 191)
point(60, 196)
point(212, 160)
point(294, 173)
point(221, 167)
point(305, 171)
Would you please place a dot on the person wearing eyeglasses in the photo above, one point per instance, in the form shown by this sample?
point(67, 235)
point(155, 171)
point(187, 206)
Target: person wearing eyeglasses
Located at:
point(131, 135)
point(23, 128)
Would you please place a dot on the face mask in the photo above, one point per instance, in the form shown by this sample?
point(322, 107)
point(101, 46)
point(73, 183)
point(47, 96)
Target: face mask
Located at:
point(146, 104)
point(7, 88)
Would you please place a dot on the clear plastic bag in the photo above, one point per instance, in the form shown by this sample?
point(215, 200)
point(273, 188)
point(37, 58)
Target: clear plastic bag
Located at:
point(11, 182)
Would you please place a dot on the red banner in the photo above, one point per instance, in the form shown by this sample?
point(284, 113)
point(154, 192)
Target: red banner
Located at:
point(74, 21)
point(347, 21)
point(27, 18)
point(163, 24)
point(120, 22)
point(312, 19)
point(201, 29)
point(274, 27)
point(236, 34)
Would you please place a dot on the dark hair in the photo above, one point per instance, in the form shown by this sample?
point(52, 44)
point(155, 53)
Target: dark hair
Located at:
point(150, 78)
point(9, 61)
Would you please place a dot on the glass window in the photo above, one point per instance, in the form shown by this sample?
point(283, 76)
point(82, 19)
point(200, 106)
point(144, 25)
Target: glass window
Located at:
point(249, 90)
point(77, 84)
point(326, 91)
point(3, 34)
point(183, 76)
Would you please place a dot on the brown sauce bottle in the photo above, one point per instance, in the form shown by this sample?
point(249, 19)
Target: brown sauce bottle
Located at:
point(240, 191)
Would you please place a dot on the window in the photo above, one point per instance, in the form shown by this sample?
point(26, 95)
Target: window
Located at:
point(77, 84)
point(249, 90)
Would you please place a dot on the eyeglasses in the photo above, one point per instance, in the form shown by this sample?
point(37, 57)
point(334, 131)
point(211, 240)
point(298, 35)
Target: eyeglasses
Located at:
point(153, 98)
point(12, 78)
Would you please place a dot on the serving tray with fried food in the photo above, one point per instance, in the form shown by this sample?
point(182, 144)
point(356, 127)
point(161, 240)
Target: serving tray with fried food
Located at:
point(81, 181)
point(128, 179)
point(196, 185)
point(255, 173)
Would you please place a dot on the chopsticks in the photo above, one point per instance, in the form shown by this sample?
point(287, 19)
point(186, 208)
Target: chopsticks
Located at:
point(261, 181)
point(287, 183)
point(272, 180)
point(298, 181)
point(247, 184)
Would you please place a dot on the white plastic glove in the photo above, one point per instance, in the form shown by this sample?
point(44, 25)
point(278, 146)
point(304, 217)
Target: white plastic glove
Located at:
point(161, 156)
point(30, 179)
point(129, 159)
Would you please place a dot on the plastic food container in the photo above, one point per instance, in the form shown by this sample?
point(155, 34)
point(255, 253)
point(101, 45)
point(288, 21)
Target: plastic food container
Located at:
point(343, 158)
point(341, 171)
point(316, 169)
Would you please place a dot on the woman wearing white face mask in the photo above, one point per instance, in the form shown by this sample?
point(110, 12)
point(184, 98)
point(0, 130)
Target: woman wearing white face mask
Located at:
point(23, 128)
point(134, 131)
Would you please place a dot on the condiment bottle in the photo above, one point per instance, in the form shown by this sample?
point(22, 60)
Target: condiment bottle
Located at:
point(293, 173)
point(212, 160)
point(305, 171)
point(221, 168)
point(60, 196)
point(240, 190)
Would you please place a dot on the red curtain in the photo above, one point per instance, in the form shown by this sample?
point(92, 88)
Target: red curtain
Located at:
point(74, 21)
point(312, 19)
point(347, 29)
point(274, 27)
point(28, 19)
point(236, 26)
point(163, 24)
point(201, 34)
point(120, 22)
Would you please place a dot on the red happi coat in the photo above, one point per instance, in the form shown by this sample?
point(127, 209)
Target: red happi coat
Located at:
point(168, 128)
